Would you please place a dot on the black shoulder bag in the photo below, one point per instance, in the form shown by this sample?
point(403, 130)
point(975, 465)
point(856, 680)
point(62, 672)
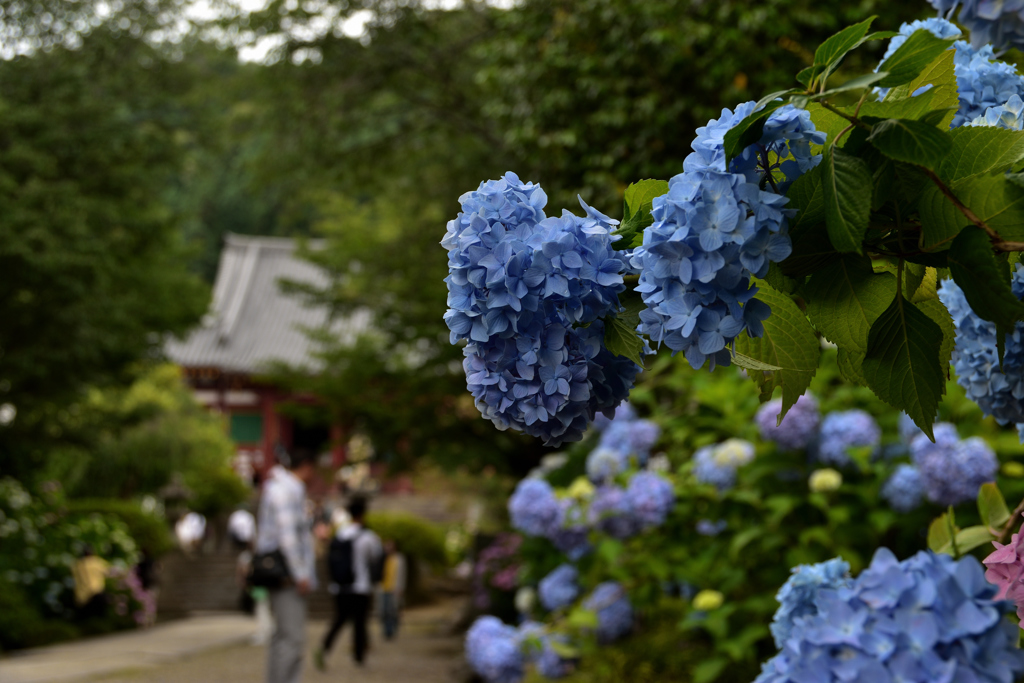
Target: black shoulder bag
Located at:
point(269, 570)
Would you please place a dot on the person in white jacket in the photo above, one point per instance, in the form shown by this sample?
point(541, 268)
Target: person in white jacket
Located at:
point(284, 525)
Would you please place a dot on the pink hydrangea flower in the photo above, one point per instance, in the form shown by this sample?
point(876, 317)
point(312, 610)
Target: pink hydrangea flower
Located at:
point(1005, 568)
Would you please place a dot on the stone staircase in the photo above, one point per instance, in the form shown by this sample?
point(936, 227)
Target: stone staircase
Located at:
point(207, 583)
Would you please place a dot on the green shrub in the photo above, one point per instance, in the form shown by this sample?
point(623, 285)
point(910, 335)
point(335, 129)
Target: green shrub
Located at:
point(416, 538)
point(150, 531)
point(420, 541)
point(21, 624)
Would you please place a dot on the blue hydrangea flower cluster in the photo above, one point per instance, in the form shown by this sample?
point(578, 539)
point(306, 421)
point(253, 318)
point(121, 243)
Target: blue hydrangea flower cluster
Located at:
point(796, 597)
point(1008, 116)
point(611, 514)
point(846, 429)
point(536, 641)
point(633, 437)
point(535, 510)
point(526, 293)
point(614, 611)
point(559, 588)
point(798, 427)
point(983, 82)
point(533, 507)
point(604, 463)
point(549, 663)
point(713, 230)
point(570, 533)
point(717, 464)
point(929, 618)
point(952, 470)
point(624, 412)
point(999, 23)
point(650, 498)
point(904, 489)
point(624, 438)
point(706, 527)
point(998, 391)
point(493, 651)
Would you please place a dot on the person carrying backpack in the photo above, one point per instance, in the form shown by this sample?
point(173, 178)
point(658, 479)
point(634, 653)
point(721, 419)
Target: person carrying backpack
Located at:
point(355, 565)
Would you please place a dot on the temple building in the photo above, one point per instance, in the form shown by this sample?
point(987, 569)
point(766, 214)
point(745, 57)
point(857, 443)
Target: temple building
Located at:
point(253, 324)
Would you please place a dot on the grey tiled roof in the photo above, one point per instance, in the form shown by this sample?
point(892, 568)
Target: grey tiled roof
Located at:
point(251, 321)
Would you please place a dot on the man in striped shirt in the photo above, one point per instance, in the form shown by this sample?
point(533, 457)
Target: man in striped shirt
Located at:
point(284, 525)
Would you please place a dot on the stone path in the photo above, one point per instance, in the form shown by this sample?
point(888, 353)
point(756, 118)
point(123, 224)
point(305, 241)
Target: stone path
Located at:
point(216, 649)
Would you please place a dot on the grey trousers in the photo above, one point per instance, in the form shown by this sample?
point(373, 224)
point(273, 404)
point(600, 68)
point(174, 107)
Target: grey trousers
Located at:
point(288, 643)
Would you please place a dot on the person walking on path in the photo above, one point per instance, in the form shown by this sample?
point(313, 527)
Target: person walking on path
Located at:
point(284, 525)
point(392, 589)
point(354, 561)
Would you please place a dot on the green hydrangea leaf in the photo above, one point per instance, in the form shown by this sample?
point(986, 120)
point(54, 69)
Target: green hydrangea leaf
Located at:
point(992, 506)
point(940, 540)
point(850, 366)
point(621, 339)
point(789, 343)
point(847, 185)
point(914, 142)
point(969, 538)
point(832, 51)
point(902, 362)
point(911, 58)
point(937, 311)
point(845, 299)
point(748, 131)
point(994, 198)
point(980, 149)
point(637, 211)
point(942, 96)
point(984, 279)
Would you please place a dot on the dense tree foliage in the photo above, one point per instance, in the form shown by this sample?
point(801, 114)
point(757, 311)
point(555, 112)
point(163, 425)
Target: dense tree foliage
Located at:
point(156, 143)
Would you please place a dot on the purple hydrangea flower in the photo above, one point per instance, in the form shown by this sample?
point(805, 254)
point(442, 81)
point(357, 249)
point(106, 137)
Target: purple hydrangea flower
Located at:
point(904, 489)
point(570, 534)
point(493, 651)
point(610, 512)
point(559, 588)
point(952, 470)
point(614, 611)
point(650, 498)
point(533, 508)
point(798, 427)
point(843, 430)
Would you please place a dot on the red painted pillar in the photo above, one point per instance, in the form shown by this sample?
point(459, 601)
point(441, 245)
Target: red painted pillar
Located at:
point(269, 427)
point(337, 446)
